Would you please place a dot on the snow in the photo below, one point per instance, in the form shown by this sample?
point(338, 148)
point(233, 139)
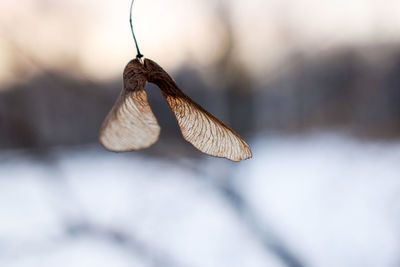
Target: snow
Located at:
point(335, 200)
point(327, 199)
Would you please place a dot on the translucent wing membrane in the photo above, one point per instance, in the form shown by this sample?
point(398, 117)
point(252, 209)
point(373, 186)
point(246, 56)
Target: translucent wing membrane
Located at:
point(131, 124)
point(203, 130)
point(198, 127)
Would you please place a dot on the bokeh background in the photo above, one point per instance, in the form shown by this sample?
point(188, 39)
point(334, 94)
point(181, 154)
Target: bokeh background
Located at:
point(312, 85)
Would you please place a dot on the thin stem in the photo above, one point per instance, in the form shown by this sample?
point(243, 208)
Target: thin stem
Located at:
point(139, 55)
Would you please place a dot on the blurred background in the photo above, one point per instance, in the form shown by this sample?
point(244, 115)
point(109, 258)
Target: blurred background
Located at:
point(313, 86)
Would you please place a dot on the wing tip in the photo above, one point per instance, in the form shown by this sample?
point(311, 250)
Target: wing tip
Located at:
point(120, 148)
point(234, 159)
point(244, 156)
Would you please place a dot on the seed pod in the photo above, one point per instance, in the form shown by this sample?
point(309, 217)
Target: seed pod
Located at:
point(131, 124)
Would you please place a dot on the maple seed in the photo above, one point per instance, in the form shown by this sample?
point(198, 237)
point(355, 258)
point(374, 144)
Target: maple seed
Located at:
point(131, 124)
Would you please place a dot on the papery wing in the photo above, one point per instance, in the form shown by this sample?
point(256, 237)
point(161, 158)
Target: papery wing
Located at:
point(202, 129)
point(131, 124)
point(199, 127)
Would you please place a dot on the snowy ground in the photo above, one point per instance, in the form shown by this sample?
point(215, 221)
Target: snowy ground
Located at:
point(318, 200)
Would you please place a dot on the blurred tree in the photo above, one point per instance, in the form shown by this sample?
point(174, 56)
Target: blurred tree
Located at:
point(235, 78)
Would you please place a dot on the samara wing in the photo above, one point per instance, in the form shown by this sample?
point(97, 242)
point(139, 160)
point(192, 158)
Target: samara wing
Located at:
point(198, 127)
point(131, 124)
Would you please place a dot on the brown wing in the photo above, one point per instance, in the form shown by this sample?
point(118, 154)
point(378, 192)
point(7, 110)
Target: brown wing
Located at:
point(198, 126)
point(131, 124)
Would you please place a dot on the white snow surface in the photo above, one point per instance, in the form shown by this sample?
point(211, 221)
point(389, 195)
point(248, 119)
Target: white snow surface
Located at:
point(328, 199)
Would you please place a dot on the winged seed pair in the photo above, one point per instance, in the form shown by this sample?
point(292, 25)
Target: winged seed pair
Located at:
point(131, 124)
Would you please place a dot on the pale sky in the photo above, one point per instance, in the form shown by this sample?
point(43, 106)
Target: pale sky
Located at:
point(93, 39)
